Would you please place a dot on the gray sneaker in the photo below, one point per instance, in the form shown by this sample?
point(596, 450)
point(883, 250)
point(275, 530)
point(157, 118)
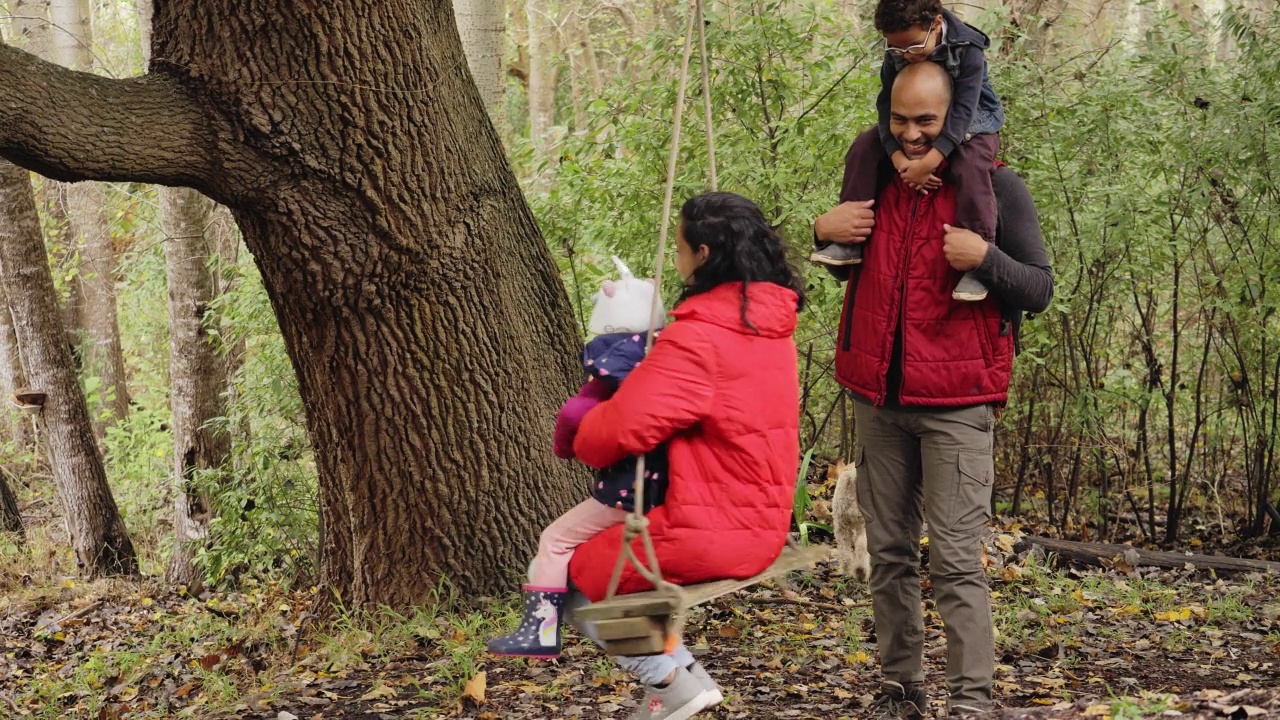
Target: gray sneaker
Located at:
point(683, 698)
point(966, 710)
point(704, 678)
point(837, 254)
point(969, 289)
point(897, 701)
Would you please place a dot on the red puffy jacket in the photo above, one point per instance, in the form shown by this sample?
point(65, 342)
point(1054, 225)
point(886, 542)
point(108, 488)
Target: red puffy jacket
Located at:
point(953, 353)
point(728, 400)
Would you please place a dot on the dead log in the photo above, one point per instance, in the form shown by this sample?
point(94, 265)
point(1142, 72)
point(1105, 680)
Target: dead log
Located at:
point(1108, 555)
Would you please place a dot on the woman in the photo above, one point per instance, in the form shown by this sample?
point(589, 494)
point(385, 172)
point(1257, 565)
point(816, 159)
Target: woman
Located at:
point(720, 386)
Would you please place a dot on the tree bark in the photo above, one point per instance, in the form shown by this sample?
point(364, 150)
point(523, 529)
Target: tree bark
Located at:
point(86, 212)
point(197, 376)
point(542, 74)
point(30, 31)
point(10, 516)
point(432, 338)
point(14, 376)
point(482, 27)
point(98, 536)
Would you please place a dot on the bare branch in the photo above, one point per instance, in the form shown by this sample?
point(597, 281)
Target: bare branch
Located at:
point(73, 126)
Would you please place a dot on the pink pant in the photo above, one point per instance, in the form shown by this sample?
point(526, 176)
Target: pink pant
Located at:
point(550, 568)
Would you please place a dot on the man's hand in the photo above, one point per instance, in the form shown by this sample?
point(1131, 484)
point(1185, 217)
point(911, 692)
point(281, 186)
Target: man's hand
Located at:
point(846, 223)
point(964, 250)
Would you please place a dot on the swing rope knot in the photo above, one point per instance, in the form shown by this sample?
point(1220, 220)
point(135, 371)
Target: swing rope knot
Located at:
point(635, 525)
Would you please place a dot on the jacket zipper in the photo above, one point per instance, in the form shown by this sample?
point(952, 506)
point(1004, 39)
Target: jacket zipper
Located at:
point(902, 305)
point(851, 293)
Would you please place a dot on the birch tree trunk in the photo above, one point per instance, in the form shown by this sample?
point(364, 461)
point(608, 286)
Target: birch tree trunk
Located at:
point(98, 536)
point(423, 314)
point(542, 74)
point(196, 374)
point(482, 28)
point(86, 212)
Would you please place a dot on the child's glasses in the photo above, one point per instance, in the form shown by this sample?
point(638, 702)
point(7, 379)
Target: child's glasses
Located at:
point(911, 49)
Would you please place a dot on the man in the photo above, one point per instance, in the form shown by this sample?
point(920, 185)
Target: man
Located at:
point(929, 373)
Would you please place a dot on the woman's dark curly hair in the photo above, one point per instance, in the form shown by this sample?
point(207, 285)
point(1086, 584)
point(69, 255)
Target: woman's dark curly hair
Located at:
point(743, 247)
point(898, 15)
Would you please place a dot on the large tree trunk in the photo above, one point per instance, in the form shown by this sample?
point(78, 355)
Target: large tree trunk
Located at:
point(197, 376)
point(481, 25)
point(86, 211)
point(432, 338)
point(98, 535)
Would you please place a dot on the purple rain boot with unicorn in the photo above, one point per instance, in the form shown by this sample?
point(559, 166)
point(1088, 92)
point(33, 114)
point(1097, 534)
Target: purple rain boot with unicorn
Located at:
point(538, 635)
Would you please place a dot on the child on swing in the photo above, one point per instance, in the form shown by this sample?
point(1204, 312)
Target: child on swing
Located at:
point(620, 325)
point(720, 391)
point(919, 31)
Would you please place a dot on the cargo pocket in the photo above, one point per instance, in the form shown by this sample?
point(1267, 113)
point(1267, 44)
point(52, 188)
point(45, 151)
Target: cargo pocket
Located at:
point(971, 508)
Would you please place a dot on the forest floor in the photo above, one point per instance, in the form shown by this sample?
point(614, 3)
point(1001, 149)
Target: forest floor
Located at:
point(1112, 642)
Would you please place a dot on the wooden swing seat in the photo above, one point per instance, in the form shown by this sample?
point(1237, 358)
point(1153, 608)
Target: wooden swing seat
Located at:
point(636, 624)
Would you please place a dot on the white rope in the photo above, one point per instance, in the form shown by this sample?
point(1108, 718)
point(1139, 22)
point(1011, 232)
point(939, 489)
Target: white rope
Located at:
point(636, 523)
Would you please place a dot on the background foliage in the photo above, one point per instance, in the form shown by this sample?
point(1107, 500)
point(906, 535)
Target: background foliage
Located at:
point(1146, 399)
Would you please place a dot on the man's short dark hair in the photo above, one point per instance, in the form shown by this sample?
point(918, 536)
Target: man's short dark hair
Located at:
point(898, 15)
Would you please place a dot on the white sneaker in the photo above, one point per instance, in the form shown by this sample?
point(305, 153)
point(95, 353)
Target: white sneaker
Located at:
point(969, 289)
point(680, 700)
point(704, 678)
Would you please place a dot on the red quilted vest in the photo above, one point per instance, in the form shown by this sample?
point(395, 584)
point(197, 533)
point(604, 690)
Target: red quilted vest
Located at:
point(953, 353)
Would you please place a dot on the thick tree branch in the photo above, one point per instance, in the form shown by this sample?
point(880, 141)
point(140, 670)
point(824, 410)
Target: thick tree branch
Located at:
point(72, 126)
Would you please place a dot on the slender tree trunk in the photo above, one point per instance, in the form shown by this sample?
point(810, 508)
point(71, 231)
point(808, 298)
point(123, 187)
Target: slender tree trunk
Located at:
point(98, 536)
point(542, 74)
point(14, 376)
point(86, 211)
point(423, 314)
point(482, 27)
point(196, 374)
point(10, 517)
point(589, 59)
point(31, 32)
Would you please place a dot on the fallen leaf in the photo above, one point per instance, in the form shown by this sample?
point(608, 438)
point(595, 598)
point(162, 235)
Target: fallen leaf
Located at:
point(1249, 710)
point(475, 687)
point(378, 692)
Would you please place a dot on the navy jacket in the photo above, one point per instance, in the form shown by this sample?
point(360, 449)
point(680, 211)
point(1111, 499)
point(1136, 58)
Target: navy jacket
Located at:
point(610, 358)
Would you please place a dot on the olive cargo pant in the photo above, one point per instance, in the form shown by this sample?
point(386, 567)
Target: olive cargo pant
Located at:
point(944, 458)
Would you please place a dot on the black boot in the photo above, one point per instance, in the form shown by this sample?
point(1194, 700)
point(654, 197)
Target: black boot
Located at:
point(538, 634)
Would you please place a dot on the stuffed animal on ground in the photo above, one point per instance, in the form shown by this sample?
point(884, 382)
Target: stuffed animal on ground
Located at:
point(849, 526)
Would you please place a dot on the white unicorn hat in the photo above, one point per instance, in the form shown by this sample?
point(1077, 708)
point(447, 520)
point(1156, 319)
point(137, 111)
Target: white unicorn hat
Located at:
point(625, 304)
